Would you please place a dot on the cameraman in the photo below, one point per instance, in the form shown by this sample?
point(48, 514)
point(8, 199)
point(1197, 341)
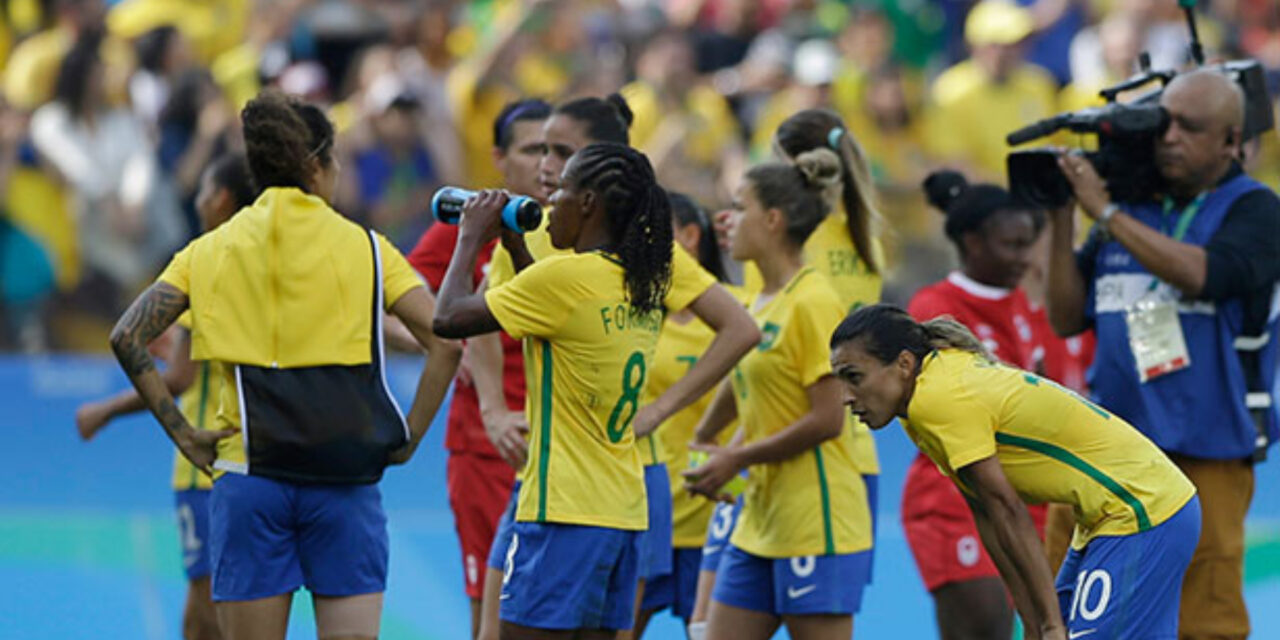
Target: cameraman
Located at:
point(1180, 290)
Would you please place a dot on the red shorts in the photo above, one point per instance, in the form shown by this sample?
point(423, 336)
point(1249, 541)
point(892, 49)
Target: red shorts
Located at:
point(940, 528)
point(479, 487)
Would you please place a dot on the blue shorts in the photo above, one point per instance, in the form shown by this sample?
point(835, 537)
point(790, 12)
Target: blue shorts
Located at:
point(723, 520)
point(192, 509)
point(502, 535)
point(792, 586)
point(1129, 586)
point(873, 502)
point(655, 560)
point(269, 537)
point(562, 576)
point(677, 589)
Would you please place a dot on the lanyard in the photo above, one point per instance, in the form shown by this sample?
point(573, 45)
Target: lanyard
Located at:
point(1188, 214)
point(1184, 223)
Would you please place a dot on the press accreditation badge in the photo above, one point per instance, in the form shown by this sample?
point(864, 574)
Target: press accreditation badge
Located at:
point(1155, 338)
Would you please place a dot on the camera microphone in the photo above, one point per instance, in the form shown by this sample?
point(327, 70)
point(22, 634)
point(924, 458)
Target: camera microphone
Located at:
point(520, 214)
point(1040, 129)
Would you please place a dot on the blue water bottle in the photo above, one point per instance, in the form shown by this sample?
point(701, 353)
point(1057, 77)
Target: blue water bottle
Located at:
point(520, 214)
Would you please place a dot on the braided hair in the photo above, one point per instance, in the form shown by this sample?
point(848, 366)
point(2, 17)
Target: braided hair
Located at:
point(639, 216)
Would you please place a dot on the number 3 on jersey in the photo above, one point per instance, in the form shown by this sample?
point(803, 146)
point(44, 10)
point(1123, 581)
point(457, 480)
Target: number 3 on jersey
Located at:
point(632, 384)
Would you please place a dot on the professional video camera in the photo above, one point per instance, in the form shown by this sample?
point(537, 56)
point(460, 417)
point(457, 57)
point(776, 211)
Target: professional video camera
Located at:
point(1126, 132)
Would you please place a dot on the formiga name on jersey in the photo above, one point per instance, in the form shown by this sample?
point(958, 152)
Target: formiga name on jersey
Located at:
point(624, 317)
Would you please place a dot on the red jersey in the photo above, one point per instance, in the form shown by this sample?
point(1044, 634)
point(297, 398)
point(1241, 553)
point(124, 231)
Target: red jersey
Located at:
point(1001, 318)
point(465, 431)
point(1066, 360)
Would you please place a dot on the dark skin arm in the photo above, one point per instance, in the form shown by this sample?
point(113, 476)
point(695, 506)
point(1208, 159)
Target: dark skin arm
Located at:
point(460, 311)
point(1011, 539)
point(149, 315)
point(91, 417)
point(415, 309)
point(736, 334)
point(1182, 265)
point(1067, 289)
point(823, 421)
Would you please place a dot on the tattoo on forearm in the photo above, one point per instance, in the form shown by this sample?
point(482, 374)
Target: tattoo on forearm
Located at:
point(157, 308)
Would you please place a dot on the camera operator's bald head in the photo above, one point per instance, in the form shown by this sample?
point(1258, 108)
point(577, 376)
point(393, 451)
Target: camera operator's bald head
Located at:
point(1206, 118)
point(1218, 94)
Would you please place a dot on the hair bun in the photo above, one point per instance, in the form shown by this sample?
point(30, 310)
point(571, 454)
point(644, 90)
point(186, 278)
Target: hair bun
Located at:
point(624, 109)
point(943, 187)
point(820, 169)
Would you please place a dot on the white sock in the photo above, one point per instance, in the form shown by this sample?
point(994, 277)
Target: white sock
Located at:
point(698, 630)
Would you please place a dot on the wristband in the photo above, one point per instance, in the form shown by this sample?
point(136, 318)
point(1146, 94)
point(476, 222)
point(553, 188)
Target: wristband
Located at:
point(1108, 212)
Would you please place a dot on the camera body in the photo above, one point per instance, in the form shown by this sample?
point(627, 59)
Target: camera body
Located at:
point(1126, 134)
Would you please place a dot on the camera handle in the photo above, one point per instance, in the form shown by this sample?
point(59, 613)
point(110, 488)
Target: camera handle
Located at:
point(1197, 50)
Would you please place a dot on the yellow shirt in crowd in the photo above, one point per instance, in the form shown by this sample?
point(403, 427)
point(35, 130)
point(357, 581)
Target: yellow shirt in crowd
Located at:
point(287, 282)
point(971, 114)
point(814, 503)
point(710, 128)
point(1053, 445)
point(587, 354)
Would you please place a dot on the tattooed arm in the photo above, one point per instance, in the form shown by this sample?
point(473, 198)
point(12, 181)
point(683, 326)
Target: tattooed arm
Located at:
point(157, 308)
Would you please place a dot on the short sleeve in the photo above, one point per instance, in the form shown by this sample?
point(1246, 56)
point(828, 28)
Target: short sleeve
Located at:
point(398, 278)
point(501, 268)
point(431, 257)
point(953, 420)
point(536, 301)
point(809, 334)
point(928, 304)
point(688, 280)
point(178, 273)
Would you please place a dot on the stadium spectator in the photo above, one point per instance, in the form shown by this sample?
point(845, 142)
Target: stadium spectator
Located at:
point(976, 102)
point(295, 500)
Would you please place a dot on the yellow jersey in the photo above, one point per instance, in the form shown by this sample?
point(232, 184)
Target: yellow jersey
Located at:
point(679, 347)
point(711, 125)
point(688, 279)
point(971, 114)
point(286, 283)
point(587, 353)
point(814, 503)
point(830, 250)
point(1053, 445)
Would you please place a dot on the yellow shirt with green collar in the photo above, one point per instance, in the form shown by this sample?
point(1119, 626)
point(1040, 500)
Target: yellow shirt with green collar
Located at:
point(814, 503)
point(679, 347)
point(587, 354)
point(287, 282)
point(1053, 445)
point(830, 250)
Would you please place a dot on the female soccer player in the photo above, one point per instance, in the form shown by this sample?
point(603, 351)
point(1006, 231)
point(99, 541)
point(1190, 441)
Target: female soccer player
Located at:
point(799, 553)
point(572, 126)
point(844, 247)
point(994, 238)
point(590, 320)
point(225, 188)
point(288, 297)
point(485, 446)
point(683, 340)
point(1004, 436)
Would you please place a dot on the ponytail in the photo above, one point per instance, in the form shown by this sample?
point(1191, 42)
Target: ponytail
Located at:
point(886, 331)
point(822, 129)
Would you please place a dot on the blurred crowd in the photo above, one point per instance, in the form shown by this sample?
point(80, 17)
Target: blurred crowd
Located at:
point(110, 111)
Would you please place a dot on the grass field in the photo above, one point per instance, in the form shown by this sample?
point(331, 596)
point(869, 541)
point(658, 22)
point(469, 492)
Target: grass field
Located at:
point(89, 544)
